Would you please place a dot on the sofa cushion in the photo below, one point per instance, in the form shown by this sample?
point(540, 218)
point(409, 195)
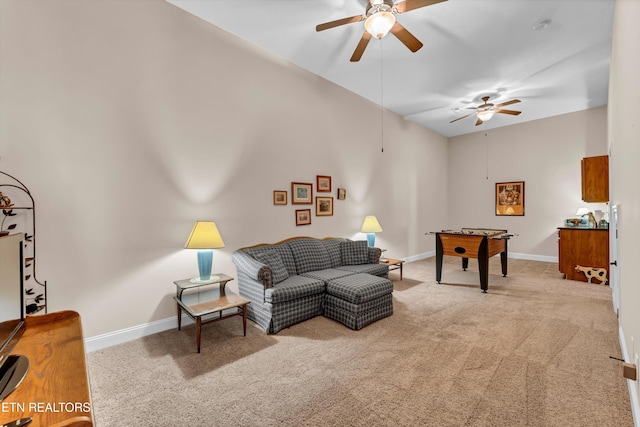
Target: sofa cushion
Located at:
point(328, 274)
point(381, 270)
point(354, 252)
point(283, 250)
point(293, 287)
point(333, 248)
point(373, 255)
point(273, 260)
point(309, 255)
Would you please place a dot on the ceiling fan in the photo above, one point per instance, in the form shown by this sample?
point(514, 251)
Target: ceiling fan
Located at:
point(380, 18)
point(486, 111)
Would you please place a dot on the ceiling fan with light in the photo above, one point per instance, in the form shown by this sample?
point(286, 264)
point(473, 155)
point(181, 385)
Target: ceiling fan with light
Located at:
point(485, 112)
point(380, 19)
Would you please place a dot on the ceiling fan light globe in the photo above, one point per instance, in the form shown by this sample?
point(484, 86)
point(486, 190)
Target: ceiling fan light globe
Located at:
point(485, 115)
point(379, 24)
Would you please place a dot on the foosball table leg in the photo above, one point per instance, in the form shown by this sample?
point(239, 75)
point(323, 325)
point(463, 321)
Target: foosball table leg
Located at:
point(503, 259)
point(439, 256)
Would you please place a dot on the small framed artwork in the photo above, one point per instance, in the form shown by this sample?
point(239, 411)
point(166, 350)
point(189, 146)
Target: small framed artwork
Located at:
point(303, 216)
point(324, 206)
point(510, 198)
point(323, 184)
point(342, 193)
point(301, 193)
point(279, 197)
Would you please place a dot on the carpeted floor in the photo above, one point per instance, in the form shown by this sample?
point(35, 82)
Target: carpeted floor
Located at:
point(534, 351)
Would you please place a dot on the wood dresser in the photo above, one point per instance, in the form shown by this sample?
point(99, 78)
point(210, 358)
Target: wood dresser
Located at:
point(588, 247)
point(55, 391)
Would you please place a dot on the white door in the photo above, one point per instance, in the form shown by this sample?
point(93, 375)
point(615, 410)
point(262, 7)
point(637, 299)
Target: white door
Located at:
point(613, 258)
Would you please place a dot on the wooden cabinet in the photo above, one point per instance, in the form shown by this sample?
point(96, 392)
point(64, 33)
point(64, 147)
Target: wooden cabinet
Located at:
point(588, 247)
point(595, 179)
point(55, 391)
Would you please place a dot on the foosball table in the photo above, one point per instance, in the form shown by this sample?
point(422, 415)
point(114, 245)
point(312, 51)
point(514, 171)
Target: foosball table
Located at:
point(479, 243)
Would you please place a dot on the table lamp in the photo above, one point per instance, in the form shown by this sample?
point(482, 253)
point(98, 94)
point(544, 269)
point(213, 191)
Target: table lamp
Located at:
point(204, 237)
point(371, 226)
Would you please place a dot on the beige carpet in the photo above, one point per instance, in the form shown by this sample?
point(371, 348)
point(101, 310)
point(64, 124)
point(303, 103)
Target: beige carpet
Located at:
point(534, 351)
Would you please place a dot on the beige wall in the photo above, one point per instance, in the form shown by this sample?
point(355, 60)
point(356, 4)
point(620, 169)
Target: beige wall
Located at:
point(545, 154)
point(129, 120)
point(624, 138)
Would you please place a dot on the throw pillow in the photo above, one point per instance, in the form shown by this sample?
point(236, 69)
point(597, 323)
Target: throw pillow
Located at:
point(354, 252)
point(273, 260)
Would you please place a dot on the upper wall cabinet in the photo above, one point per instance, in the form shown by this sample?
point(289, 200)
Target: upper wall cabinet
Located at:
point(595, 179)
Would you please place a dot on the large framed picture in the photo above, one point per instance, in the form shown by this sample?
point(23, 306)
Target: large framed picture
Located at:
point(510, 198)
point(303, 216)
point(279, 197)
point(301, 193)
point(323, 184)
point(324, 206)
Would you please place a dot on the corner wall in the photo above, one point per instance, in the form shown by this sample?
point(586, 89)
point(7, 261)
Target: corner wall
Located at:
point(546, 155)
point(624, 139)
point(130, 120)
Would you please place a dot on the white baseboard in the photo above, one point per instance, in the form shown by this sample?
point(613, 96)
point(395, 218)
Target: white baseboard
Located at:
point(109, 339)
point(631, 385)
point(514, 255)
point(542, 258)
point(420, 256)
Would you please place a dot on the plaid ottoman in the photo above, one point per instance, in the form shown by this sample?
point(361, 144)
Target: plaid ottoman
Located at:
point(358, 299)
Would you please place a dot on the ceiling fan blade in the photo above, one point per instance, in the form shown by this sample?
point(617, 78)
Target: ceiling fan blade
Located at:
point(479, 122)
point(408, 39)
point(362, 45)
point(339, 22)
point(512, 112)
point(460, 118)
point(513, 101)
point(408, 5)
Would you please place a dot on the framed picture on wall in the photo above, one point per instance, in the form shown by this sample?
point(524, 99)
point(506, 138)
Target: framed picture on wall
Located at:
point(301, 193)
point(324, 206)
point(323, 184)
point(342, 193)
point(279, 197)
point(510, 198)
point(303, 216)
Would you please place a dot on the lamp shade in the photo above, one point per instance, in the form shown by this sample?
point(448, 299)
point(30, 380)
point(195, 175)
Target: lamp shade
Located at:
point(205, 235)
point(371, 225)
point(582, 211)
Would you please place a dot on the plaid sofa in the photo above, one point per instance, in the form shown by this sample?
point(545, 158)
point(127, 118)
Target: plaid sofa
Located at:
point(286, 282)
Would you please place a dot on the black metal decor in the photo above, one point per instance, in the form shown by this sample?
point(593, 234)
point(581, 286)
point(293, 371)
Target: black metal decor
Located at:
point(35, 299)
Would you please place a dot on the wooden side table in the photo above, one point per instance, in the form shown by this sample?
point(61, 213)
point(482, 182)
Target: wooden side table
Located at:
point(213, 299)
point(394, 264)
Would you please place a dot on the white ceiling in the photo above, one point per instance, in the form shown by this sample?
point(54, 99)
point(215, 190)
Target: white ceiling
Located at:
point(472, 48)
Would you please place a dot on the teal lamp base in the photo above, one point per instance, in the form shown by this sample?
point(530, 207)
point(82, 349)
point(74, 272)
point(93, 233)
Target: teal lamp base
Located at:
point(371, 239)
point(205, 262)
